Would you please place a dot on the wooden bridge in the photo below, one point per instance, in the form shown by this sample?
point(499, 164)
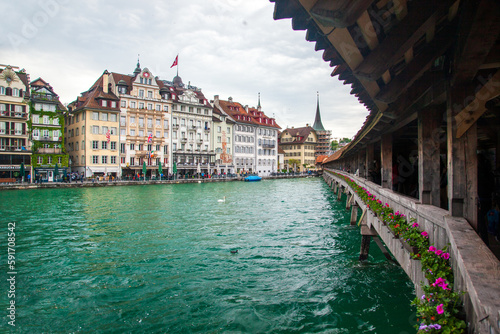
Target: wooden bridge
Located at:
point(476, 269)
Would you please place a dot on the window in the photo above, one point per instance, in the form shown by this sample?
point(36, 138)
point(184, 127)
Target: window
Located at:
point(95, 115)
point(83, 129)
point(104, 103)
point(141, 133)
point(141, 93)
point(55, 121)
point(132, 161)
point(104, 116)
point(77, 118)
point(104, 130)
point(122, 147)
point(141, 122)
point(39, 159)
point(46, 120)
point(77, 130)
point(76, 146)
point(174, 135)
point(95, 159)
point(150, 147)
point(165, 149)
point(50, 159)
point(123, 103)
point(104, 159)
point(150, 106)
point(183, 122)
point(150, 122)
point(83, 145)
point(165, 123)
point(82, 160)
point(132, 119)
point(113, 104)
point(174, 146)
point(219, 139)
point(183, 108)
point(150, 94)
point(132, 132)
point(104, 145)
point(36, 118)
point(141, 105)
point(113, 117)
point(219, 129)
point(158, 107)
point(165, 108)
point(122, 160)
point(132, 104)
point(36, 132)
point(95, 129)
point(158, 134)
point(113, 145)
point(113, 131)
point(132, 147)
point(113, 160)
point(123, 120)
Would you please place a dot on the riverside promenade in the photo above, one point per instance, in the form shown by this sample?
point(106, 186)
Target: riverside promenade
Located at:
point(89, 184)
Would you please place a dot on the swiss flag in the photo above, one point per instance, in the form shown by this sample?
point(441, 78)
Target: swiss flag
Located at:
point(175, 61)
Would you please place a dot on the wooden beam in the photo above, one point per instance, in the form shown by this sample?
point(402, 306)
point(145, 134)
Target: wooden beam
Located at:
point(421, 63)
point(386, 160)
point(367, 30)
point(339, 13)
point(475, 109)
point(399, 40)
point(301, 20)
point(286, 9)
point(478, 34)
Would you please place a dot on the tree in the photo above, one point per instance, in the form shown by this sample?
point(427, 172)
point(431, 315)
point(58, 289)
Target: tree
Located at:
point(334, 145)
point(294, 163)
point(345, 141)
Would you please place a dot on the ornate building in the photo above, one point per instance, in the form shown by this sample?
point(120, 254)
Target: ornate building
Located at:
point(46, 129)
point(222, 140)
point(15, 150)
point(324, 136)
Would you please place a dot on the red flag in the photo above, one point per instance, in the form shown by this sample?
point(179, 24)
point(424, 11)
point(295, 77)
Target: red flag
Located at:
point(175, 61)
point(108, 136)
point(150, 138)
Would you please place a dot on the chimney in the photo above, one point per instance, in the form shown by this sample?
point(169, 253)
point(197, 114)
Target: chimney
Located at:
point(230, 99)
point(105, 81)
point(246, 108)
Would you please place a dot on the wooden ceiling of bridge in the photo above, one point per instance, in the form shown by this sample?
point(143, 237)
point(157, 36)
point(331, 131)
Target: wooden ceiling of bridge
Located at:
point(401, 55)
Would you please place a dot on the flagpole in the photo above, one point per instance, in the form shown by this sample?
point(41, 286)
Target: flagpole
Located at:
point(177, 64)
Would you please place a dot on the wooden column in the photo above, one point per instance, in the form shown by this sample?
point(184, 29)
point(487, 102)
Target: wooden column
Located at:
point(365, 247)
point(361, 163)
point(386, 160)
point(348, 201)
point(429, 124)
point(369, 161)
point(339, 192)
point(462, 160)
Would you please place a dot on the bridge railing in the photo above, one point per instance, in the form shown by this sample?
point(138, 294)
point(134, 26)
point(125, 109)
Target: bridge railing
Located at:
point(476, 269)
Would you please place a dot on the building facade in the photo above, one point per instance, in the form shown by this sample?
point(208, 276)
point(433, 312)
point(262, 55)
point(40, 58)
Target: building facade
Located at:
point(15, 150)
point(145, 117)
point(222, 140)
point(91, 132)
point(299, 145)
point(267, 142)
point(46, 127)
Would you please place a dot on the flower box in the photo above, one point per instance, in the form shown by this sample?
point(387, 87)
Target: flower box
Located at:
point(411, 249)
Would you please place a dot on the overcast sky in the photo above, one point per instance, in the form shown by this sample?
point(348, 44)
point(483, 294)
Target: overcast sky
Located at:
point(226, 48)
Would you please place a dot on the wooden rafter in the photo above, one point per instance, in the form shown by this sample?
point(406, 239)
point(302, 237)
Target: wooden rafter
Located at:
point(400, 40)
point(479, 34)
point(340, 13)
point(421, 63)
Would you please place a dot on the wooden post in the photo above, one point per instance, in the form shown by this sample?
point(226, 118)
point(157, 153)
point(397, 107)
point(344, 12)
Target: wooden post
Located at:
point(382, 248)
point(339, 192)
point(361, 163)
point(354, 213)
point(348, 201)
point(365, 247)
point(386, 160)
point(462, 160)
point(429, 125)
point(369, 161)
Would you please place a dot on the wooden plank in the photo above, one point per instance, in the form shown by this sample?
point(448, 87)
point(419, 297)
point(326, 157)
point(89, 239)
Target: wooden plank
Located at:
point(401, 38)
point(420, 64)
point(370, 149)
point(471, 113)
point(339, 13)
point(471, 177)
point(367, 30)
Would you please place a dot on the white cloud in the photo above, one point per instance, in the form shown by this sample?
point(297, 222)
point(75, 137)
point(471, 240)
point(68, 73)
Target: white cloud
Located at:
point(226, 47)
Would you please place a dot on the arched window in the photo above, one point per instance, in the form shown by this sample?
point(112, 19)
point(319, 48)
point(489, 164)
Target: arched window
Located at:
point(2, 90)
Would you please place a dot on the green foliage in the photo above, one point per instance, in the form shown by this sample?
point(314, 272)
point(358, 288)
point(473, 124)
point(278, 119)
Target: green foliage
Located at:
point(334, 145)
point(45, 160)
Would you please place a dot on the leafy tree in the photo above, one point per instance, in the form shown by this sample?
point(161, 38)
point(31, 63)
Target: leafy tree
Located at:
point(345, 141)
point(334, 145)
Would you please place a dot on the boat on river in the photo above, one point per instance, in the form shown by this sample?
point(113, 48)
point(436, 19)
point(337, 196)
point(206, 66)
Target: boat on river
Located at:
point(253, 178)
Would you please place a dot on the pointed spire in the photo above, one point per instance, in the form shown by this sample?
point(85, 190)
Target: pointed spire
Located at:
point(258, 105)
point(138, 68)
point(318, 126)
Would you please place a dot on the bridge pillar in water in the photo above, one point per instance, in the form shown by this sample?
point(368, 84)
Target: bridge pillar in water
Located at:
point(348, 201)
point(366, 236)
point(354, 213)
point(339, 192)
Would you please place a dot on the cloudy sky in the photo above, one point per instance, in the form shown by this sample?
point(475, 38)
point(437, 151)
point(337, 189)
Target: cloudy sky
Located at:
point(226, 47)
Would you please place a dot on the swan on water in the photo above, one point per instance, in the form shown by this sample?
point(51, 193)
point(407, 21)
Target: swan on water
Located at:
point(222, 200)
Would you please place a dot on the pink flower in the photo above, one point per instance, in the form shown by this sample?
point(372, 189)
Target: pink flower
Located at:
point(440, 309)
point(445, 286)
point(439, 281)
point(414, 225)
point(439, 252)
point(387, 204)
point(425, 234)
point(445, 256)
point(432, 249)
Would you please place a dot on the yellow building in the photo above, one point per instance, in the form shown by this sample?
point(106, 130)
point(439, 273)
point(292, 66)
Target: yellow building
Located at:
point(299, 145)
point(91, 132)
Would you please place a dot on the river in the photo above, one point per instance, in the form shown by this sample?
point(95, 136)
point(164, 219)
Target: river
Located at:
point(278, 256)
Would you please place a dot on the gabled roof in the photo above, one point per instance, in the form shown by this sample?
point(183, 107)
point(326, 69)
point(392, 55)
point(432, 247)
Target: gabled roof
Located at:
point(299, 135)
point(237, 112)
point(91, 98)
point(39, 84)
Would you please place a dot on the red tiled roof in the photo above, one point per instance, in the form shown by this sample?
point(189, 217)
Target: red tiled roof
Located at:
point(90, 99)
point(237, 112)
point(321, 158)
point(300, 135)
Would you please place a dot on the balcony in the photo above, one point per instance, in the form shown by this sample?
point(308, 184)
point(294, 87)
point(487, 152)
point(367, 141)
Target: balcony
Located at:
point(13, 114)
point(49, 138)
point(183, 140)
point(175, 126)
point(268, 145)
point(50, 150)
point(44, 97)
point(4, 148)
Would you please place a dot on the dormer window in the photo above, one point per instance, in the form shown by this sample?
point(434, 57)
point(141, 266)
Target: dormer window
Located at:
point(104, 103)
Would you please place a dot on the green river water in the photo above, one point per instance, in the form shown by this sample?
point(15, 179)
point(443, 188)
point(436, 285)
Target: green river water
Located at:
point(157, 259)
